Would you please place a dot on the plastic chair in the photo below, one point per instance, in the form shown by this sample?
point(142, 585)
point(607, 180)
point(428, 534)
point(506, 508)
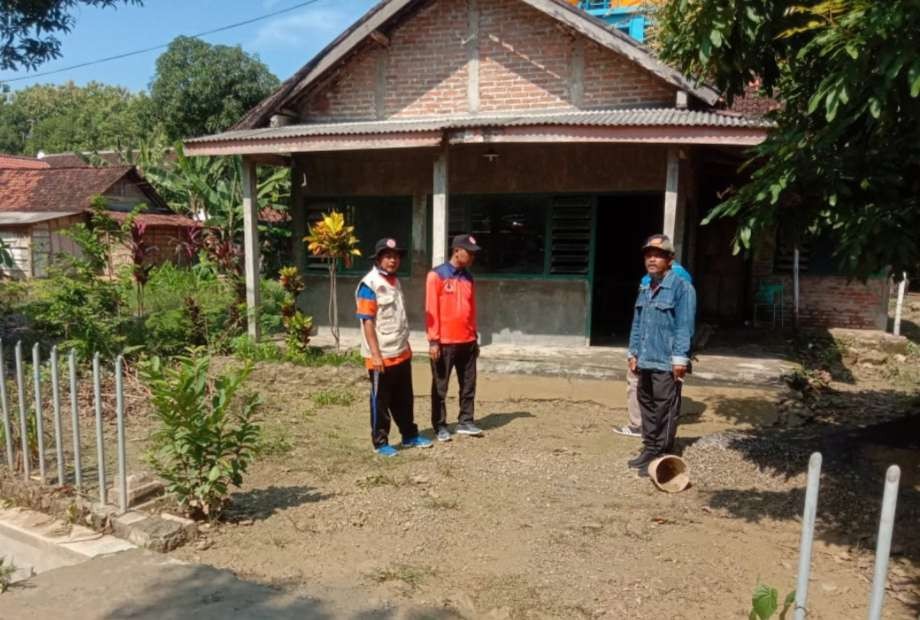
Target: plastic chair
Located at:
point(770, 295)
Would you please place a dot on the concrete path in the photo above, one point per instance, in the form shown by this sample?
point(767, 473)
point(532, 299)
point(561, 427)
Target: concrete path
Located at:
point(143, 584)
point(36, 543)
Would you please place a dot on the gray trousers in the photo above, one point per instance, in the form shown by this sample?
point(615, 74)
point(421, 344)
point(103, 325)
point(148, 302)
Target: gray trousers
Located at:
point(632, 399)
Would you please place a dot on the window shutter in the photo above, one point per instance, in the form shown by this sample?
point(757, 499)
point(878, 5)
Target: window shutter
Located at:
point(570, 252)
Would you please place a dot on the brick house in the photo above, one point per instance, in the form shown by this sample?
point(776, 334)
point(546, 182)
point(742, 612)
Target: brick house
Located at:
point(553, 137)
point(38, 202)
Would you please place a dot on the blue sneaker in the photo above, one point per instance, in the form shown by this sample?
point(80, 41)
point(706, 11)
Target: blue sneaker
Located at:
point(386, 451)
point(416, 442)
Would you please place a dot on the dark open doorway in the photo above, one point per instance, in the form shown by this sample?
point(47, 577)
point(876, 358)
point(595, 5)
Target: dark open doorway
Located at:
point(623, 223)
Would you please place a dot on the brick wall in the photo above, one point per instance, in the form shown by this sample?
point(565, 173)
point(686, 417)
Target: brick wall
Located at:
point(164, 238)
point(825, 300)
point(526, 63)
point(611, 80)
point(524, 58)
point(426, 68)
point(352, 96)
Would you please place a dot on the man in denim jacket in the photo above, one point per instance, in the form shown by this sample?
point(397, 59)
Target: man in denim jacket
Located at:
point(659, 349)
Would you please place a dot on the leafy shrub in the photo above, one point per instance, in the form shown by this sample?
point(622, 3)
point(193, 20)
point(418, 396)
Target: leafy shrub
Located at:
point(299, 326)
point(86, 312)
point(206, 436)
point(765, 603)
point(7, 568)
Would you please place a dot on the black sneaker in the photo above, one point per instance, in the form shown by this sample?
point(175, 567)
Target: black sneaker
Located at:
point(643, 471)
point(644, 458)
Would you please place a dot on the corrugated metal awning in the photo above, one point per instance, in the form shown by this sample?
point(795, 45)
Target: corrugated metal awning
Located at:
point(635, 117)
point(24, 218)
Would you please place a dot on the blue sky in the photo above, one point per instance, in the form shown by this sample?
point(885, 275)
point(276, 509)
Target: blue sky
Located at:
point(284, 42)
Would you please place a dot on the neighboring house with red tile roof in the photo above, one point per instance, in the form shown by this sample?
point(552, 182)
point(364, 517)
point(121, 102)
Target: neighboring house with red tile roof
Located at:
point(19, 161)
point(38, 202)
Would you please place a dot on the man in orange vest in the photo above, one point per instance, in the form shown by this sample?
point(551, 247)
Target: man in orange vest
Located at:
point(381, 309)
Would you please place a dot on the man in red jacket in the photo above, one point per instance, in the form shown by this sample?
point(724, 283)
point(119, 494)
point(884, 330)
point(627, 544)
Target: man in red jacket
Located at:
point(450, 317)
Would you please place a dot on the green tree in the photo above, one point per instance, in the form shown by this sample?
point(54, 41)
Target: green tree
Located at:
point(199, 88)
point(844, 158)
point(28, 27)
point(56, 118)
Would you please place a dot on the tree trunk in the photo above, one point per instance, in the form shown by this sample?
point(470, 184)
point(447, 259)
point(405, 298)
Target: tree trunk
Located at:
point(333, 305)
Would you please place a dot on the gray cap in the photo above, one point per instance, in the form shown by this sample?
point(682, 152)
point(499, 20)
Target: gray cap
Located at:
point(659, 242)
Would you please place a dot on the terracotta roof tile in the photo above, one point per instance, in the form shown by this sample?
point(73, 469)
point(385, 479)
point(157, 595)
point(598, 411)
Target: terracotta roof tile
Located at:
point(21, 162)
point(55, 189)
point(157, 219)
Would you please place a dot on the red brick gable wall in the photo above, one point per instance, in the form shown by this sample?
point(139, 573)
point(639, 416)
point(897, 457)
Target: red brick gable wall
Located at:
point(527, 62)
point(426, 72)
point(352, 95)
point(525, 58)
point(613, 81)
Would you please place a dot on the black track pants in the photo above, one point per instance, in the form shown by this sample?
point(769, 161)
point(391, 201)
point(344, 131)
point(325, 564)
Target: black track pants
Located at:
point(659, 400)
point(463, 358)
point(394, 399)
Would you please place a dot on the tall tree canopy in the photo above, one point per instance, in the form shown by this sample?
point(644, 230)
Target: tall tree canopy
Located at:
point(201, 88)
point(845, 156)
point(71, 118)
point(28, 27)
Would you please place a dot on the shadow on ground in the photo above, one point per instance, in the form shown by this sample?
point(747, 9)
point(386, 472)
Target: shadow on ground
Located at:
point(497, 420)
point(260, 504)
point(853, 473)
point(909, 329)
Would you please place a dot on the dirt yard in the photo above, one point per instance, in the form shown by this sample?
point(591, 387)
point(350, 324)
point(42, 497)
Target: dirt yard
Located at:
point(541, 518)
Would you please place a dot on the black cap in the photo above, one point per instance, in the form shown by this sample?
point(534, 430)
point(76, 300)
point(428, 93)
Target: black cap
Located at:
point(467, 242)
point(388, 243)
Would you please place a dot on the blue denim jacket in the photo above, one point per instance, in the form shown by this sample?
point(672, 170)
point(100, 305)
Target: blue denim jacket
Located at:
point(663, 324)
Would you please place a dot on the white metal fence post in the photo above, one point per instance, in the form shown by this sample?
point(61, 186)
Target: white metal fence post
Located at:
point(23, 414)
point(883, 545)
point(56, 404)
point(808, 535)
point(75, 420)
point(5, 404)
point(100, 448)
point(120, 420)
point(39, 422)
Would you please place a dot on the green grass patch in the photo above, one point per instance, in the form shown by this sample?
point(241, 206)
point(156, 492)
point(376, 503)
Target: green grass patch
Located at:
point(274, 443)
point(333, 397)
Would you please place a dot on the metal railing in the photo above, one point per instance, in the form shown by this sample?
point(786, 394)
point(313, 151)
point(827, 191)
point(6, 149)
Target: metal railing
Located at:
point(31, 421)
point(882, 548)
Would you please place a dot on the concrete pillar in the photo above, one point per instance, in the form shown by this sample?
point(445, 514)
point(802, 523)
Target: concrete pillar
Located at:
point(298, 216)
point(251, 249)
point(439, 200)
point(419, 233)
point(472, 56)
point(675, 203)
point(577, 72)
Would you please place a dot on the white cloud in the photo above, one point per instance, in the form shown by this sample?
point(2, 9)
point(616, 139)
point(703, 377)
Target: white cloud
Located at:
point(298, 29)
